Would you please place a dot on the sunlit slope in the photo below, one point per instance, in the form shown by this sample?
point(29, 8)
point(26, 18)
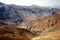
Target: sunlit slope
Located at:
point(53, 32)
point(54, 35)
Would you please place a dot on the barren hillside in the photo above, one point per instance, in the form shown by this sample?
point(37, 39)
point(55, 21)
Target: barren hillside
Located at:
point(53, 30)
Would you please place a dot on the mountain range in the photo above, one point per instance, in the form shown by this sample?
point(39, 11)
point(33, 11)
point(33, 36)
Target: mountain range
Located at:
point(14, 14)
point(29, 22)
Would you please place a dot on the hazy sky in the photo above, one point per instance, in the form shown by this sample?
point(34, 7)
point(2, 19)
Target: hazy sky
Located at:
point(33, 2)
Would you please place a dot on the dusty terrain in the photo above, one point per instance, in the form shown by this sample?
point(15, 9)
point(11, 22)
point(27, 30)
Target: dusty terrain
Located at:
point(12, 33)
point(53, 31)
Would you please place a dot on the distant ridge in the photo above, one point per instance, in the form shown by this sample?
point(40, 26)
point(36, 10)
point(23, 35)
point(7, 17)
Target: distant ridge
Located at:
point(1, 3)
point(17, 14)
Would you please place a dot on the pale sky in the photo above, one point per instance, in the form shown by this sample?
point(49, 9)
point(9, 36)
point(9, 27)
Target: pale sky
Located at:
point(33, 2)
